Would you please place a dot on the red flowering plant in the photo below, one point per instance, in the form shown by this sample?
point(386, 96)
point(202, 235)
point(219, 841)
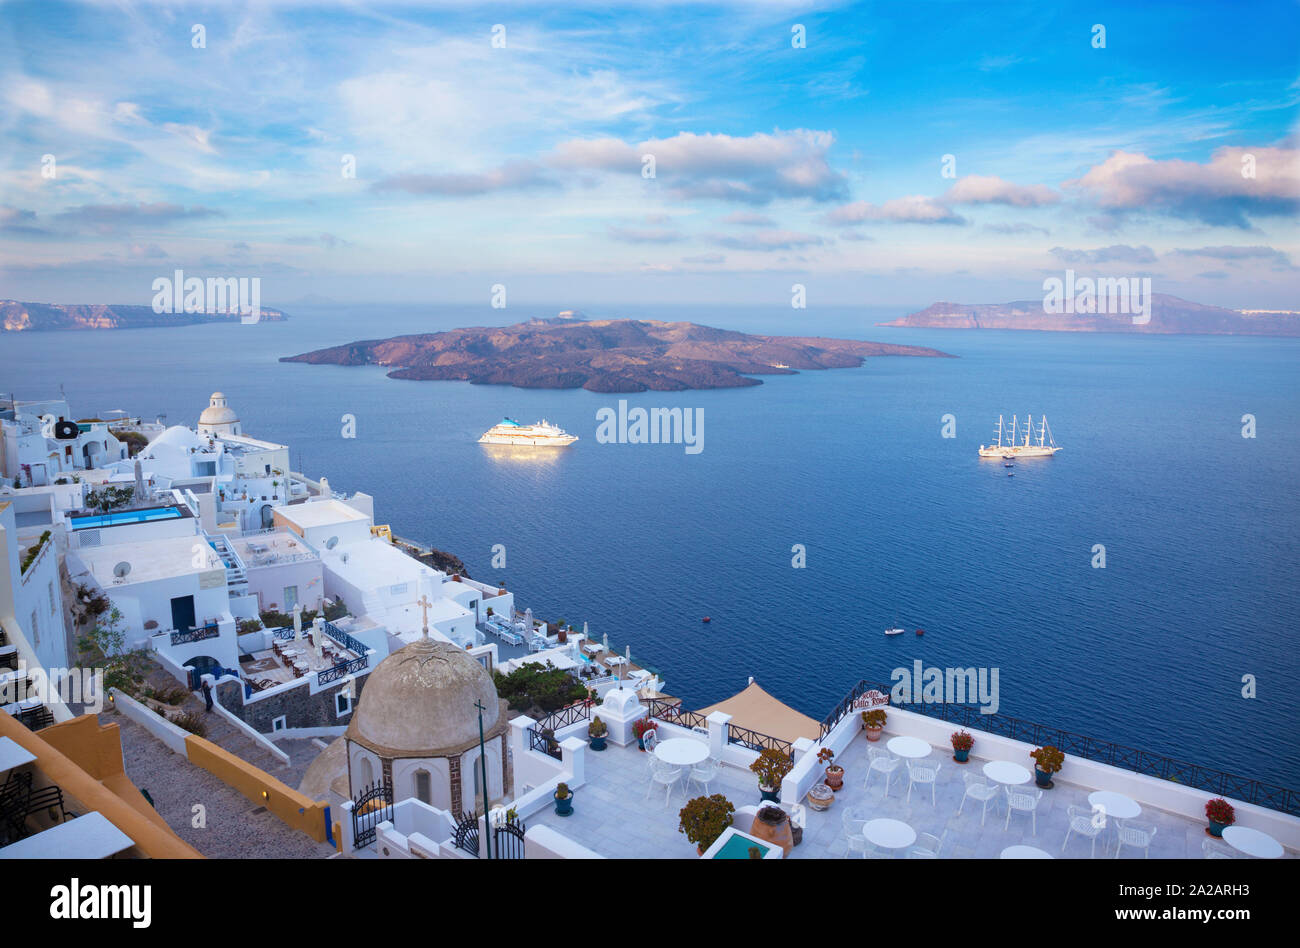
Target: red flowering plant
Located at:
point(641, 725)
point(1220, 811)
point(962, 740)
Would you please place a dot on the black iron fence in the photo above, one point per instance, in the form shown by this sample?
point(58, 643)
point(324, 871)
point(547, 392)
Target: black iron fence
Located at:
point(198, 634)
point(756, 741)
point(373, 806)
point(545, 742)
point(671, 712)
point(342, 670)
point(572, 714)
point(1090, 748)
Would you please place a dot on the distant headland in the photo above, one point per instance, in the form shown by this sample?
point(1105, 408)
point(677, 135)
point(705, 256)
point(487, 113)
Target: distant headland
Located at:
point(609, 355)
point(16, 316)
point(1168, 315)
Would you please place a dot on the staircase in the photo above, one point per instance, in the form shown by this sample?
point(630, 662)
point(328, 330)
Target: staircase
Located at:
point(236, 578)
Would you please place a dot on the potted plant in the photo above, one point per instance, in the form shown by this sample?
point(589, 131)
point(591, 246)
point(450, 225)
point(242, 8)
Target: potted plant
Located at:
point(563, 800)
point(704, 818)
point(962, 742)
point(641, 727)
point(771, 768)
point(596, 731)
point(1048, 760)
point(1220, 814)
point(834, 772)
point(873, 722)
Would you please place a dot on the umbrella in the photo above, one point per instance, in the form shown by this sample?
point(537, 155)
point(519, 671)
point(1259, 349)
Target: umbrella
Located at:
point(606, 640)
point(297, 623)
point(585, 634)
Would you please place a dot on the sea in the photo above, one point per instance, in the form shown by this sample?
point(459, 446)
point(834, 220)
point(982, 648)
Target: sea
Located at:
point(827, 506)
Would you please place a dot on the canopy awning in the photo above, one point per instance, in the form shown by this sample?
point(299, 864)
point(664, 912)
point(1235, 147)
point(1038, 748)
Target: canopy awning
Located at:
point(757, 710)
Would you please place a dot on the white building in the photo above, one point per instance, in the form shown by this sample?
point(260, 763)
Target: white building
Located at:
point(35, 451)
point(218, 418)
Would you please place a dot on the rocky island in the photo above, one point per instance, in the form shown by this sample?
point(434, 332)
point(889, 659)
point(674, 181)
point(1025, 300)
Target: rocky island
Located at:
point(609, 355)
point(16, 316)
point(1169, 315)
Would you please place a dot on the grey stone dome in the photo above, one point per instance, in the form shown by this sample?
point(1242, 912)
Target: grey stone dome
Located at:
point(420, 702)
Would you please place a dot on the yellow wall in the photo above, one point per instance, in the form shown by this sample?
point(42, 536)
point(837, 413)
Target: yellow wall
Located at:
point(297, 810)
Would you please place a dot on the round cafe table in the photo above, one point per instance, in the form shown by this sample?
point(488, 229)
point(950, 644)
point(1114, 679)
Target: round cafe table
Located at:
point(1024, 852)
point(888, 834)
point(1252, 842)
point(1006, 773)
point(912, 747)
point(682, 751)
point(1115, 804)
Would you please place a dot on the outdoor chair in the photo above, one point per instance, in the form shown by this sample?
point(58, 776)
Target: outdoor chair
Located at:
point(859, 847)
point(1216, 850)
point(1082, 822)
point(881, 762)
point(1132, 833)
point(927, 846)
point(1025, 802)
point(980, 790)
point(922, 771)
point(703, 774)
point(650, 739)
point(661, 773)
point(854, 818)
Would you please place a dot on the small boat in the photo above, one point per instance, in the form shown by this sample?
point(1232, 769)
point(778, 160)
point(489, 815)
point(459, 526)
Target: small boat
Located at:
point(920, 631)
point(895, 631)
point(708, 619)
point(1011, 473)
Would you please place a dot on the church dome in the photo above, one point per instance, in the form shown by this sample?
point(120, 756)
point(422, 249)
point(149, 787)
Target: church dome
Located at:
point(218, 412)
point(420, 702)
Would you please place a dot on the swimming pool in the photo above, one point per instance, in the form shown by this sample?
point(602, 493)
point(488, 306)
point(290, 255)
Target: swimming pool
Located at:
point(125, 516)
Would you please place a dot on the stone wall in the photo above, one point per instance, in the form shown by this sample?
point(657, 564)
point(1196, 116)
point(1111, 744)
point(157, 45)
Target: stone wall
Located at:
point(299, 706)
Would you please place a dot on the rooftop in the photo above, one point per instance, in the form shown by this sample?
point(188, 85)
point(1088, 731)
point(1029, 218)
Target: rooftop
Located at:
point(271, 549)
point(150, 559)
point(320, 513)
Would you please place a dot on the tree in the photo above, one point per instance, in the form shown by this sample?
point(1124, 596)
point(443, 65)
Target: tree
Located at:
point(548, 688)
point(105, 646)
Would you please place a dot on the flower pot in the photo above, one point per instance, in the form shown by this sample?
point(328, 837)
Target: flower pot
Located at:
point(820, 797)
point(1216, 829)
point(778, 833)
point(564, 805)
point(873, 733)
point(598, 743)
point(1043, 777)
point(640, 743)
point(835, 777)
point(961, 756)
point(769, 793)
point(562, 636)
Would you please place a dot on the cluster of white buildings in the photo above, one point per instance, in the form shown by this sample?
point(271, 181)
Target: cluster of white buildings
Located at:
point(217, 531)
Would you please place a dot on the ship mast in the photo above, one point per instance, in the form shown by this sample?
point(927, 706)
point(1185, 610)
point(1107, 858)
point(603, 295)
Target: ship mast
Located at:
point(1014, 423)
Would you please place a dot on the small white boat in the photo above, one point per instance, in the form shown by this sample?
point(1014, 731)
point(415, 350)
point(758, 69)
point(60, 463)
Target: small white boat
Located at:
point(895, 631)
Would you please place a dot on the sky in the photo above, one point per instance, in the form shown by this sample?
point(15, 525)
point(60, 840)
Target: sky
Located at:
point(898, 153)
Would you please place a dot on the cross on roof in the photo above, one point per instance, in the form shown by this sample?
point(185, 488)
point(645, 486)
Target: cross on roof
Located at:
point(424, 605)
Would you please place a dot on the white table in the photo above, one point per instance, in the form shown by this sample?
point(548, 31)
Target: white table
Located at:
point(87, 837)
point(1006, 773)
point(682, 752)
point(1024, 852)
point(1252, 842)
point(1115, 804)
point(13, 754)
point(912, 747)
point(888, 834)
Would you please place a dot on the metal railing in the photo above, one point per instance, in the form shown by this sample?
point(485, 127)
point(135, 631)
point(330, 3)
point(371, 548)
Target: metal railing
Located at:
point(342, 670)
point(672, 712)
point(197, 634)
point(756, 741)
point(347, 641)
point(546, 743)
point(578, 711)
point(1089, 748)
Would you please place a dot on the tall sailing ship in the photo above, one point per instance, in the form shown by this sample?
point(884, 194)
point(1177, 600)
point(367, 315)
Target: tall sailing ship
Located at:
point(1009, 445)
point(541, 435)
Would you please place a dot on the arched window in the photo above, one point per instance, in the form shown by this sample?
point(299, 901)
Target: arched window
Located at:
point(367, 772)
point(423, 786)
point(478, 781)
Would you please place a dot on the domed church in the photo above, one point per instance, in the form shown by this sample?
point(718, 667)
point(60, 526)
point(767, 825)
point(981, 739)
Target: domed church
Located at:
point(218, 418)
point(416, 728)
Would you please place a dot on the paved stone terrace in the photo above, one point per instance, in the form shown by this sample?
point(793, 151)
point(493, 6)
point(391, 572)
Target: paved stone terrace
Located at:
point(236, 828)
point(614, 816)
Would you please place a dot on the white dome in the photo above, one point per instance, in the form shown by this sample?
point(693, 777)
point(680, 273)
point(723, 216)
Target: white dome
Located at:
point(218, 412)
point(176, 438)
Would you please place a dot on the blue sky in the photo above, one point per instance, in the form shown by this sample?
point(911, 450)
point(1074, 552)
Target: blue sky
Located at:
point(523, 165)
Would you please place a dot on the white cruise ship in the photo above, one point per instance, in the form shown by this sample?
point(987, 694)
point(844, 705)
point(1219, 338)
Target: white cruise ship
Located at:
point(1035, 444)
point(542, 435)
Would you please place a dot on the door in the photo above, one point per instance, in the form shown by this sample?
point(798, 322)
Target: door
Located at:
point(290, 598)
point(183, 613)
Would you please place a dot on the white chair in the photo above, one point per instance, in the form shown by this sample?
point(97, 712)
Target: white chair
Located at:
point(650, 739)
point(882, 762)
point(854, 818)
point(1213, 850)
point(703, 774)
point(1132, 833)
point(922, 771)
point(927, 846)
point(858, 846)
point(1083, 823)
point(1025, 802)
point(666, 774)
point(980, 790)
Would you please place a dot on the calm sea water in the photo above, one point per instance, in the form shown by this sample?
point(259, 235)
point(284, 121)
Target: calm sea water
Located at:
point(899, 523)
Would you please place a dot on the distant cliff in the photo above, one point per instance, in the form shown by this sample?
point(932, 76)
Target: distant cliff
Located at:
point(617, 355)
point(1169, 314)
point(17, 316)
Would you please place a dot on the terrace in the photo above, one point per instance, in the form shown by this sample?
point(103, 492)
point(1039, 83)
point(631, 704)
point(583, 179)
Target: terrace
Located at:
point(289, 659)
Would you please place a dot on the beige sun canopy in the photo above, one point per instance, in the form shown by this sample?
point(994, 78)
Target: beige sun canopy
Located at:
point(757, 710)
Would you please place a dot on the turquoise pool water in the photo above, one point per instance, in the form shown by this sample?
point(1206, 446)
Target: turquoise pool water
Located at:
point(125, 516)
point(737, 847)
